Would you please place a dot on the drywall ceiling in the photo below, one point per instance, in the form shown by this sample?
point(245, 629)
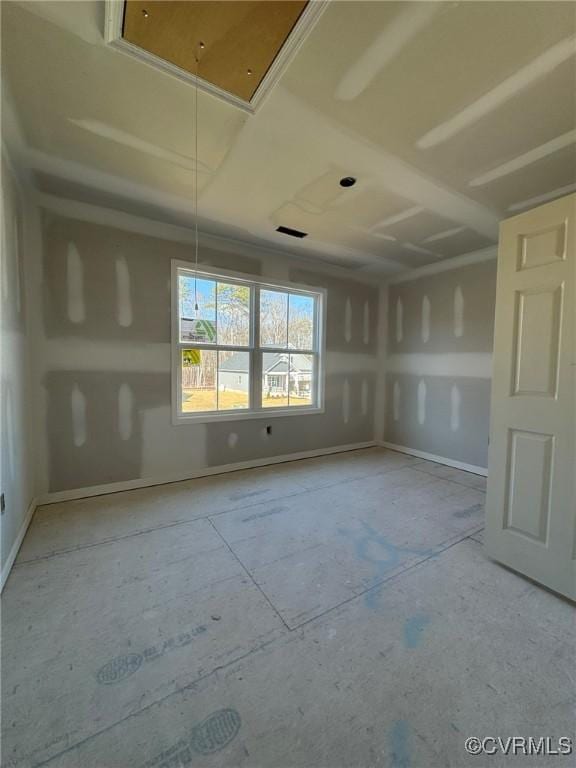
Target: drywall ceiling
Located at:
point(452, 116)
point(240, 39)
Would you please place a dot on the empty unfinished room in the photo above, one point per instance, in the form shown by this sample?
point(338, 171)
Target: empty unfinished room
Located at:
point(288, 397)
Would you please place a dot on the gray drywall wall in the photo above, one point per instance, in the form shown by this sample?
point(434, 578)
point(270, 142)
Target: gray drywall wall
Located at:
point(16, 481)
point(106, 316)
point(439, 346)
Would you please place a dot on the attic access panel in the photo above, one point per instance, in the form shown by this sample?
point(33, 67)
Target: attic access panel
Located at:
point(242, 38)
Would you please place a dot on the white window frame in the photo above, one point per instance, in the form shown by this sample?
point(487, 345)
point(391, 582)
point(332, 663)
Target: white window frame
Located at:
point(256, 283)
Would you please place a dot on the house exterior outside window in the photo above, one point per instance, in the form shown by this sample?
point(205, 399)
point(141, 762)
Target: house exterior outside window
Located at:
point(251, 349)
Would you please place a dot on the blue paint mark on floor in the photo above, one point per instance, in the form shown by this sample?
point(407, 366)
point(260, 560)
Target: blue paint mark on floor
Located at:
point(372, 547)
point(413, 629)
point(400, 745)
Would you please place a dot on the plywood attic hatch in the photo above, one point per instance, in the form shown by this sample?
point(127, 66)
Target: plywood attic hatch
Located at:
point(242, 39)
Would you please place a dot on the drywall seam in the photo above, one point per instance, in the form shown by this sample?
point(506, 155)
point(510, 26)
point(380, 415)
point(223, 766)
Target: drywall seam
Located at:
point(393, 174)
point(128, 485)
point(364, 397)
point(12, 555)
point(426, 318)
point(539, 199)
point(505, 90)
point(474, 257)
point(431, 414)
point(78, 413)
point(433, 457)
point(397, 217)
point(399, 320)
point(387, 171)
point(34, 247)
point(382, 349)
point(396, 400)
point(445, 234)
point(348, 320)
point(154, 357)
point(418, 249)
point(421, 400)
point(458, 312)
point(129, 140)
point(384, 48)
point(125, 411)
point(455, 404)
point(525, 159)
point(366, 323)
point(75, 285)
point(123, 293)
point(121, 356)
point(142, 225)
point(475, 365)
point(346, 402)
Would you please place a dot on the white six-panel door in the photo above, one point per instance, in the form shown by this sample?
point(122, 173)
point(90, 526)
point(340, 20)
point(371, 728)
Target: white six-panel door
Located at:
point(531, 499)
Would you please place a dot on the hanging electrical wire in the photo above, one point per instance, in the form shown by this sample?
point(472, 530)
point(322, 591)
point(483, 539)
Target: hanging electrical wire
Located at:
point(200, 48)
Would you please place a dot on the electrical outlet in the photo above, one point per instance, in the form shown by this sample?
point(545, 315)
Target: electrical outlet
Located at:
point(2, 503)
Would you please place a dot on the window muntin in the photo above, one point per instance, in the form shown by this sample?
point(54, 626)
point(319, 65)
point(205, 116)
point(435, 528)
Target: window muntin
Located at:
point(251, 348)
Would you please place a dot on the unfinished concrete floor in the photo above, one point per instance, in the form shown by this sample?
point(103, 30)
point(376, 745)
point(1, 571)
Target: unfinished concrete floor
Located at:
point(330, 612)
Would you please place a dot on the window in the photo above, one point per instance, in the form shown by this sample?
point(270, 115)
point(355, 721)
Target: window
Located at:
point(243, 348)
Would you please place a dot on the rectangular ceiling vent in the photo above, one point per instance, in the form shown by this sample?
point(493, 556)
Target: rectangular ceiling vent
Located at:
point(291, 232)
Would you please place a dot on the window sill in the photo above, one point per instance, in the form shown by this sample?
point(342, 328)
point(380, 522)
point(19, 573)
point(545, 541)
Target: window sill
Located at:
point(270, 413)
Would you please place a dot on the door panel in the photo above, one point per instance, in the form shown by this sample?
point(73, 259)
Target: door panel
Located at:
point(544, 246)
point(537, 331)
point(531, 499)
point(529, 470)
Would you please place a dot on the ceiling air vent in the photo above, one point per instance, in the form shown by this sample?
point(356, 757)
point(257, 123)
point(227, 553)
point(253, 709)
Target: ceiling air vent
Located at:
point(291, 232)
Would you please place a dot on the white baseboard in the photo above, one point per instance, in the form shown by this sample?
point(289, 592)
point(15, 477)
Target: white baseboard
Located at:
point(7, 566)
point(130, 485)
point(433, 457)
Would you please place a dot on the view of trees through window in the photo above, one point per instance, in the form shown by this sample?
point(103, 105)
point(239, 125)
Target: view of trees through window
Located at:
point(215, 332)
point(286, 320)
